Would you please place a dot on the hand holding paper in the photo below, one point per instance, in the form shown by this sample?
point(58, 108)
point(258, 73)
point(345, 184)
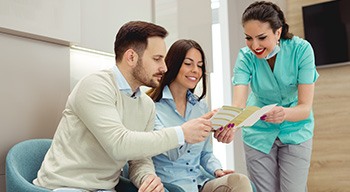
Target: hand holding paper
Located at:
point(240, 117)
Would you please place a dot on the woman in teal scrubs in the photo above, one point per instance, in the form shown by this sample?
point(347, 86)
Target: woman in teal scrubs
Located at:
point(280, 68)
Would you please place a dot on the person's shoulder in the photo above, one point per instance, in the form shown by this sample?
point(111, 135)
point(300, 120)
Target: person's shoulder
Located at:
point(245, 54)
point(146, 99)
point(245, 51)
point(203, 102)
point(297, 41)
point(296, 44)
point(203, 105)
point(101, 74)
point(96, 78)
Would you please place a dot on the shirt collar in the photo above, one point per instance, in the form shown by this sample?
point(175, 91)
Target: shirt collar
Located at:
point(167, 93)
point(123, 85)
point(191, 98)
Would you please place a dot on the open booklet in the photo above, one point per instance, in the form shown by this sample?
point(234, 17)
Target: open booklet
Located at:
point(240, 117)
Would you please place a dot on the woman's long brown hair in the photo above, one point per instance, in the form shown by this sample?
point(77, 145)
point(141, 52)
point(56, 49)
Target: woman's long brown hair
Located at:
point(174, 60)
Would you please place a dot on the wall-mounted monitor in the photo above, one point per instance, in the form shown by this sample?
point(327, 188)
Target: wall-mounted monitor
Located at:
point(327, 28)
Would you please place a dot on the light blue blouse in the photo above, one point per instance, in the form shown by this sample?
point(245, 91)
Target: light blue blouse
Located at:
point(294, 65)
point(181, 166)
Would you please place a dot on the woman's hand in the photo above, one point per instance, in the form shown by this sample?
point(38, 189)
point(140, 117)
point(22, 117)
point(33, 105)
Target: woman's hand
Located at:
point(225, 134)
point(220, 172)
point(275, 115)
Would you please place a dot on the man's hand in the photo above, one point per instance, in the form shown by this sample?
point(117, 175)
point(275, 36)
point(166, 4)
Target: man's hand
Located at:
point(152, 184)
point(196, 130)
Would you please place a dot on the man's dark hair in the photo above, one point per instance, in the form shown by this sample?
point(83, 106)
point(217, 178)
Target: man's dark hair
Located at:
point(134, 35)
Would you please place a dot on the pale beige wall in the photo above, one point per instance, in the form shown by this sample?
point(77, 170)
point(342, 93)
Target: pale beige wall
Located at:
point(34, 81)
point(35, 76)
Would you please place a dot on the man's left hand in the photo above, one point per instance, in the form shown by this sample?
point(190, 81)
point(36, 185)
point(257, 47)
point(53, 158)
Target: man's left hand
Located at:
point(152, 184)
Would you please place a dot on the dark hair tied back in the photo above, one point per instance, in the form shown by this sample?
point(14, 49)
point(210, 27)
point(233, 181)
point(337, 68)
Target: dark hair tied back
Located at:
point(264, 11)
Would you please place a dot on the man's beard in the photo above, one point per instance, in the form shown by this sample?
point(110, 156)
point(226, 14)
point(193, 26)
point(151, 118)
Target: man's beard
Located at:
point(140, 74)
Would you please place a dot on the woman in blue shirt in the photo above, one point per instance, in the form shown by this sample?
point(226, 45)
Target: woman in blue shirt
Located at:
point(279, 68)
point(176, 103)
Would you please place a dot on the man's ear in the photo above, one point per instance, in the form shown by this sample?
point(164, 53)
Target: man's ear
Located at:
point(131, 57)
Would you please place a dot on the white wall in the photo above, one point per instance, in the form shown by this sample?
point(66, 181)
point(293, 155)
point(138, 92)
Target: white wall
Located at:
point(186, 19)
point(100, 20)
point(83, 63)
point(35, 58)
point(34, 81)
point(55, 20)
point(36, 75)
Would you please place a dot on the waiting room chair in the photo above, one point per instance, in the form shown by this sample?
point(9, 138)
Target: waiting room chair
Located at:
point(23, 162)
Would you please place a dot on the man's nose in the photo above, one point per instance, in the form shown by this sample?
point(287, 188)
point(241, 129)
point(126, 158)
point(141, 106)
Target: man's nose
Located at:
point(163, 68)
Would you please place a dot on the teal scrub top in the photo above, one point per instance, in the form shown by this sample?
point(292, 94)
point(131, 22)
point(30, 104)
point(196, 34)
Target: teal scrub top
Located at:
point(294, 65)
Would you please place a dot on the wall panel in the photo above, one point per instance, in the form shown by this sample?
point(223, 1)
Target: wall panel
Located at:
point(101, 21)
point(34, 81)
point(54, 21)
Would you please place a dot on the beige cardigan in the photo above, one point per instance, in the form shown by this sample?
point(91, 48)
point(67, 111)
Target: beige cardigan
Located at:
point(101, 129)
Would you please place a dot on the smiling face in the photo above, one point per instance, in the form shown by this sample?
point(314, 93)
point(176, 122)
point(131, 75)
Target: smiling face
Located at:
point(260, 37)
point(191, 70)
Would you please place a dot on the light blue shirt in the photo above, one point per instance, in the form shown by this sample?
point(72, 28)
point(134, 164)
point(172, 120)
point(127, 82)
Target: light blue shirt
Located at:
point(124, 87)
point(294, 65)
point(181, 166)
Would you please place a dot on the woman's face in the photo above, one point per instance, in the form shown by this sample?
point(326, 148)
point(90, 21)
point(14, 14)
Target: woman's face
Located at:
point(260, 38)
point(191, 69)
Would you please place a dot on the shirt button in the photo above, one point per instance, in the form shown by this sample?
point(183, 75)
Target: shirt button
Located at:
point(191, 169)
point(188, 151)
point(194, 180)
point(187, 163)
